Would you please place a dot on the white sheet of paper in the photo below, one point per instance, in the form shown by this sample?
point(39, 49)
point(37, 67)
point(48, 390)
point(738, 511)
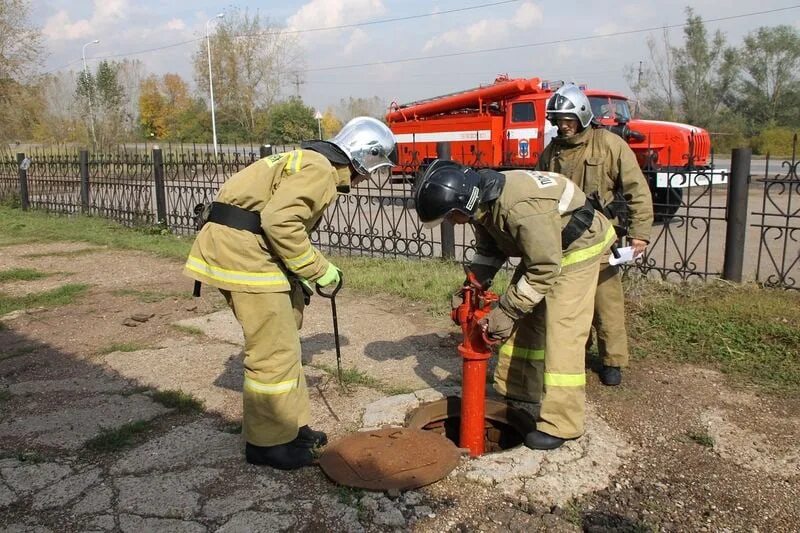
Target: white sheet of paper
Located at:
point(625, 256)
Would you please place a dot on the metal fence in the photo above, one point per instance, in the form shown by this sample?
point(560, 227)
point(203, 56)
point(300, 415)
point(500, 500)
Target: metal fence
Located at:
point(700, 238)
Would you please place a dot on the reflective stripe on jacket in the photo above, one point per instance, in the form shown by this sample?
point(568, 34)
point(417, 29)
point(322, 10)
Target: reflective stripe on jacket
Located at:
point(526, 221)
point(290, 191)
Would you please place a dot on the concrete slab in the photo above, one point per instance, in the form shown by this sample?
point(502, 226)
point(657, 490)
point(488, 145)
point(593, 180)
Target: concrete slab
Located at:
point(136, 524)
point(26, 478)
point(169, 495)
point(208, 371)
point(394, 348)
point(195, 444)
point(227, 505)
point(96, 500)
point(80, 385)
point(554, 477)
point(66, 490)
point(247, 521)
point(69, 428)
point(7, 496)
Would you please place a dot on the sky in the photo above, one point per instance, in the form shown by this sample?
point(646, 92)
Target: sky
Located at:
point(472, 41)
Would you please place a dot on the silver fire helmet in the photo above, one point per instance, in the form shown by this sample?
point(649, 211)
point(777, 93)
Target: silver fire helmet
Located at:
point(569, 100)
point(367, 142)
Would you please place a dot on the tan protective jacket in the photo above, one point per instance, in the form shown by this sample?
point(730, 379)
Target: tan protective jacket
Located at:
point(526, 221)
point(598, 160)
point(290, 191)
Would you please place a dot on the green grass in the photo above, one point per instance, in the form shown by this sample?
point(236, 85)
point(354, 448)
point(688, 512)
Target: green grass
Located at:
point(4, 395)
point(34, 226)
point(64, 295)
point(702, 438)
point(348, 495)
point(355, 376)
point(431, 282)
point(746, 331)
point(181, 401)
point(20, 274)
point(110, 440)
point(192, 330)
point(121, 347)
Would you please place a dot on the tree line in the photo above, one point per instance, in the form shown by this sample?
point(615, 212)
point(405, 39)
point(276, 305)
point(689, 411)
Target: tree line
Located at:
point(743, 95)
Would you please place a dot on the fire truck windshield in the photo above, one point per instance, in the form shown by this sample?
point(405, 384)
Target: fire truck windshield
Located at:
point(605, 107)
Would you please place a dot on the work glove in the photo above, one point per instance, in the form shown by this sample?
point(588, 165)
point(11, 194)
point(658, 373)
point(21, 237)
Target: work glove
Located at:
point(498, 324)
point(483, 273)
point(331, 276)
point(308, 290)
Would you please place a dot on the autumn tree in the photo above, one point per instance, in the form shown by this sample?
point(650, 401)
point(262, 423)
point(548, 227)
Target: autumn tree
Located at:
point(60, 119)
point(166, 106)
point(356, 107)
point(291, 121)
point(330, 124)
point(251, 58)
point(21, 54)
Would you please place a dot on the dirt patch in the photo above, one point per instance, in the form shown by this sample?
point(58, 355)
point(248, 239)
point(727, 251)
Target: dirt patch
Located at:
point(707, 454)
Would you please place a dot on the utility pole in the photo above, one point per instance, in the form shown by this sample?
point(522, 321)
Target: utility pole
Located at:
point(638, 92)
point(297, 84)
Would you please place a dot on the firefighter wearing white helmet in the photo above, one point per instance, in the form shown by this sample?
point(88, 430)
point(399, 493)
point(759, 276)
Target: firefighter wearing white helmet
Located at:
point(255, 248)
point(604, 167)
point(545, 315)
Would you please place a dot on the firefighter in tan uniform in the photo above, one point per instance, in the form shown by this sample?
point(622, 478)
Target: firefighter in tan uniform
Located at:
point(546, 221)
point(602, 164)
point(255, 249)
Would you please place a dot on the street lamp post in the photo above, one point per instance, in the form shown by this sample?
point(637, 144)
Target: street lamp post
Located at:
point(86, 76)
point(211, 82)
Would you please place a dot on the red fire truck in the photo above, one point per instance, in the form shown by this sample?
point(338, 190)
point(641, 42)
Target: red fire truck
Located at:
point(503, 126)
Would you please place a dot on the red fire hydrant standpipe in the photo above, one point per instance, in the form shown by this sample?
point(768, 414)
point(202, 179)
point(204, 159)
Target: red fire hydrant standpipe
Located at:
point(475, 350)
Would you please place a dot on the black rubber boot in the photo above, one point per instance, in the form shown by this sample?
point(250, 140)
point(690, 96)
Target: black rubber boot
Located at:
point(289, 456)
point(611, 375)
point(311, 439)
point(538, 440)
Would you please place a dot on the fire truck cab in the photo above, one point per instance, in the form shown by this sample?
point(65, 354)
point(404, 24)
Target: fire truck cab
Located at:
point(504, 126)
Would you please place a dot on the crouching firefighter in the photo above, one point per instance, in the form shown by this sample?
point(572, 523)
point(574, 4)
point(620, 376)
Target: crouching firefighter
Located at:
point(546, 221)
point(255, 249)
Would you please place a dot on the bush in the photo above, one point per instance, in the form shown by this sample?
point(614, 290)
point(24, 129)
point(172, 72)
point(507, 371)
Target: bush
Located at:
point(775, 140)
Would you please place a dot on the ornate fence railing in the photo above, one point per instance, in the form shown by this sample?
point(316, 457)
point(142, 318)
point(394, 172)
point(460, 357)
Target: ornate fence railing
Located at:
point(144, 186)
point(778, 223)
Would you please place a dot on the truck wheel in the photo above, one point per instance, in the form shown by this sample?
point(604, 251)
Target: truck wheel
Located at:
point(666, 203)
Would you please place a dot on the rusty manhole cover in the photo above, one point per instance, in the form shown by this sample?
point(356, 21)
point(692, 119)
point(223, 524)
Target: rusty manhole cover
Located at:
point(390, 458)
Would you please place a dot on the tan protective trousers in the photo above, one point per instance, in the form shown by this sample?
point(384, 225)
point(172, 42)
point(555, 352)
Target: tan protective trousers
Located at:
point(544, 357)
point(609, 317)
point(275, 396)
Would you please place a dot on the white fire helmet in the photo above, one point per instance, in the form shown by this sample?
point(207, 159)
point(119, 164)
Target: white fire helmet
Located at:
point(569, 100)
point(368, 142)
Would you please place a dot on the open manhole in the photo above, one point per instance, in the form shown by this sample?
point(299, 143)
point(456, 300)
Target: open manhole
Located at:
point(506, 426)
